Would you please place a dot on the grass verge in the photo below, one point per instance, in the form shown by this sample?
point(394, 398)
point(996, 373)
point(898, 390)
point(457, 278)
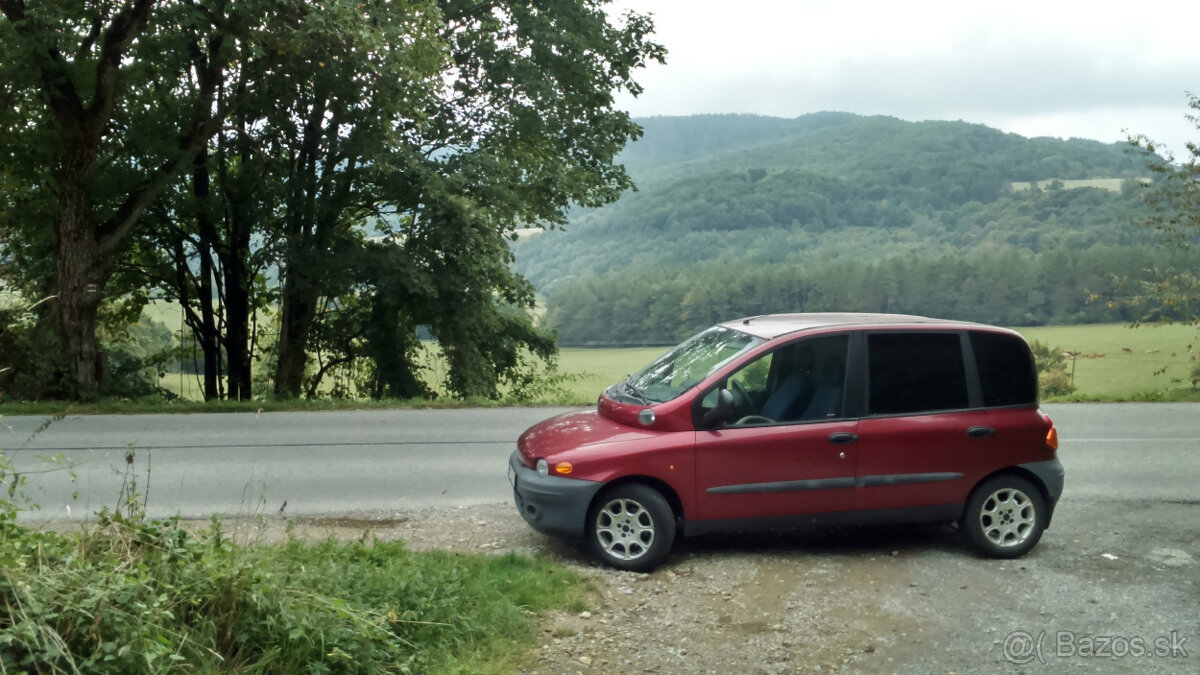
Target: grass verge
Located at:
point(150, 597)
point(127, 407)
point(1113, 363)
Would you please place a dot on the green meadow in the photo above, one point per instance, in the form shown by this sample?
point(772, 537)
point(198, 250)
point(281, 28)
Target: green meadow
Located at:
point(1110, 184)
point(1115, 362)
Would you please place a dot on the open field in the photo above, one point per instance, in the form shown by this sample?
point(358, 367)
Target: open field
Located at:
point(1125, 362)
point(1116, 362)
point(596, 369)
point(1118, 374)
point(1110, 184)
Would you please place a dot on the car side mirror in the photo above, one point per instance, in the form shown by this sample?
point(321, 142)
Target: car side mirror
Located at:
point(722, 412)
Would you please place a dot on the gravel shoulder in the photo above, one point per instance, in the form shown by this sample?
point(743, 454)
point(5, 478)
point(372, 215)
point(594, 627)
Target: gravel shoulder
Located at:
point(890, 599)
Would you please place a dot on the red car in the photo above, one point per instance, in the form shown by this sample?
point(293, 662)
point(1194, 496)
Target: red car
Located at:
point(801, 419)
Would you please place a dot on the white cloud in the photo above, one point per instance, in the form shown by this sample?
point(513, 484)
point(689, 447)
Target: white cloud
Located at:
point(1034, 68)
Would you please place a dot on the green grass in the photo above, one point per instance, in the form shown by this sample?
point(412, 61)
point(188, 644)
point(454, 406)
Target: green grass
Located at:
point(1117, 376)
point(596, 369)
point(1143, 363)
point(1110, 184)
point(150, 597)
point(157, 405)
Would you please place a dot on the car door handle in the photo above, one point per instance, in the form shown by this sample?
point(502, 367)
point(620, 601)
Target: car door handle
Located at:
point(980, 432)
point(843, 438)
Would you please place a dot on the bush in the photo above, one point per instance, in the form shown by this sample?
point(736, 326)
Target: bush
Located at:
point(1053, 379)
point(150, 597)
point(1055, 382)
point(30, 369)
point(34, 370)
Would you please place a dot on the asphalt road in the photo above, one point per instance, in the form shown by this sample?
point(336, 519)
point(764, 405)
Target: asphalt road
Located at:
point(380, 460)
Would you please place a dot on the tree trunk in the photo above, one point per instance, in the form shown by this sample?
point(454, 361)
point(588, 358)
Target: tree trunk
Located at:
point(210, 339)
point(237, 310)
point(240, 214)
point(299, 304)
point(79, 276)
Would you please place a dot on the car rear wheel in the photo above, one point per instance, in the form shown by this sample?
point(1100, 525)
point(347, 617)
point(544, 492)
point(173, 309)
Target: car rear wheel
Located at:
point(631, 527)
point(1005, 517)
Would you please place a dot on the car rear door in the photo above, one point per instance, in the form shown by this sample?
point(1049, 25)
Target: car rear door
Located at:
point(925, 440)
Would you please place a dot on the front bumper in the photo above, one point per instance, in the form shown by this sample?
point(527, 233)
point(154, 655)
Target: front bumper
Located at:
point(551, 504)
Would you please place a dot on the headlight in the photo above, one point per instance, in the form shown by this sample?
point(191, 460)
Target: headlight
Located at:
point(543, 468)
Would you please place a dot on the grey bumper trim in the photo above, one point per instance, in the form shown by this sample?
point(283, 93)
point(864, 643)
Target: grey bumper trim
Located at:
point(784, 486)
point(1052, 476)
point(906, 478)
point(551, 505)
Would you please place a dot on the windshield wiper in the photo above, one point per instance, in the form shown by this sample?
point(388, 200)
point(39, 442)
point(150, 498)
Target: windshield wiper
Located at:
point(636, 393)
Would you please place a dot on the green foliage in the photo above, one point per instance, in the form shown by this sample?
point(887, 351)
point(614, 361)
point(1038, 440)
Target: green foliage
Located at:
point(742, 215)
point(1054, 383)
point(1004, 286)
point(1053, 379)
point(152, 597)
point(97, 116)
point(1046, 357)
point(1170, 293)
point(136, 355)
point(454, 122)
point(29, 371)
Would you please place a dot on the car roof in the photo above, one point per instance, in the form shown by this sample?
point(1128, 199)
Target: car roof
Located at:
point(769, 326)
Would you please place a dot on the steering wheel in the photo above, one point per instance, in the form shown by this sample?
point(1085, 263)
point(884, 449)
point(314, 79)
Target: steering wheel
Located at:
point(754, 419)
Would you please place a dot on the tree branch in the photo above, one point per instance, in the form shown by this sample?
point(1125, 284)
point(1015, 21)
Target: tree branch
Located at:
point(116, 228)
point(91, 38)
point(124, 27)
point(316, 381)
point(64, 100)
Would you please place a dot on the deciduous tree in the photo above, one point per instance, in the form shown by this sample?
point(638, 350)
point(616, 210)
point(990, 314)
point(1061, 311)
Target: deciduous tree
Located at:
point(97, 120)
point(1173, 293)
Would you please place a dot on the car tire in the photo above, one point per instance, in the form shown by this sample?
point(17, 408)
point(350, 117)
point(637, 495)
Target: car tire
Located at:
point(1005, 517)
point(631, 527)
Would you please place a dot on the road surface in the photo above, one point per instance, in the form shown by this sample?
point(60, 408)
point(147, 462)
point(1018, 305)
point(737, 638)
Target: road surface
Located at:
point(381, 460)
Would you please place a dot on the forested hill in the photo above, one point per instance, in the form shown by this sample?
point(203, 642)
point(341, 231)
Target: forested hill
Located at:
point(739, 214)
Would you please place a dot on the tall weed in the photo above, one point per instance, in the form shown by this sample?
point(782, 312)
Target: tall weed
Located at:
point(139, 596)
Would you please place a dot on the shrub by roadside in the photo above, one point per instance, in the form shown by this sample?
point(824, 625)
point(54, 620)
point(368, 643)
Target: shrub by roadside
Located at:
point(137, 596)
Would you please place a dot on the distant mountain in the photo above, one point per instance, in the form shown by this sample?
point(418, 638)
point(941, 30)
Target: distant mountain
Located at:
point(742, 192)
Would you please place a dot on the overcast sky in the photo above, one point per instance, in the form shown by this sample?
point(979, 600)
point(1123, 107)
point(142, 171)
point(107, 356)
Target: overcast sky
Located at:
point(1049, 68)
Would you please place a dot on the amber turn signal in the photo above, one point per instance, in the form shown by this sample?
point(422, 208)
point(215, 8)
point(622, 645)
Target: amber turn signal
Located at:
point(563, 468)
point(1052, 437)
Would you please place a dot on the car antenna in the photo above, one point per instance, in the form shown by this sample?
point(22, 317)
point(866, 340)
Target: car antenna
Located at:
point(747, 320)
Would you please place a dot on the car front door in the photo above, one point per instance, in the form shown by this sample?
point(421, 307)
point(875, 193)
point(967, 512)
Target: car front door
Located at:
point(790, 448)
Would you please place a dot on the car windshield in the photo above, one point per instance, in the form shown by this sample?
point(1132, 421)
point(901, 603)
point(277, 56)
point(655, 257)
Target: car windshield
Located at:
point(685, 366)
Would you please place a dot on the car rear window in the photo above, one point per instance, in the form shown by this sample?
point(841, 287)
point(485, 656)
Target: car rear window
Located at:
point(915, 372)
point(1006, 370)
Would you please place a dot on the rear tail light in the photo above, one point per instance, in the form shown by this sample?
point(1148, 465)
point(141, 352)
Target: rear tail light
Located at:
point(1052, 437)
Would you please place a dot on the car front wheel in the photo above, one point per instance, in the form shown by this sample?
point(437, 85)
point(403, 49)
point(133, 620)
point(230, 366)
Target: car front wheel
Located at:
point(1005, 517)
point(631, 527)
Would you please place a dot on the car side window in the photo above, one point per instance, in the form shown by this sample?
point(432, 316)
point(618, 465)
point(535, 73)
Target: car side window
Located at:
point(915, 372)
point(799, 382)
point(748, 383)
point(1006, 371)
